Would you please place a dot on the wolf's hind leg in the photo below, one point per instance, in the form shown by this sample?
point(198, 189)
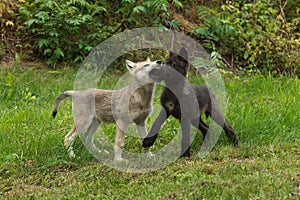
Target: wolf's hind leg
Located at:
point(218, 117)
point(69, 140)
point(201, 125)
point(88, 134)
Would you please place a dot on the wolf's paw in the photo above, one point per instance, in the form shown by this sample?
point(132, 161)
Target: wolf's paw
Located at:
point(120, 160)
point(148, 152)
point(71, 154)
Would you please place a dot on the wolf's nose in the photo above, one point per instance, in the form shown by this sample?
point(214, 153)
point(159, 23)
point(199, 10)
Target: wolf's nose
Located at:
point(159, 62)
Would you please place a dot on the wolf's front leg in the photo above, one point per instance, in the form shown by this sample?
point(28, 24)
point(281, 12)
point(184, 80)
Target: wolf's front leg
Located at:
point(143, 134)
point(141, 127)
point(186, 137)
point(150, 139)
point(119, 143)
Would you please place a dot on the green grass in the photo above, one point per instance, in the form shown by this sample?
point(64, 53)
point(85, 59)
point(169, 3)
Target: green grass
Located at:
point(34, 164)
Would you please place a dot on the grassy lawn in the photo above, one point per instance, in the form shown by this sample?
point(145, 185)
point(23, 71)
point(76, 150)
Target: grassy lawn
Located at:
point(34, 164)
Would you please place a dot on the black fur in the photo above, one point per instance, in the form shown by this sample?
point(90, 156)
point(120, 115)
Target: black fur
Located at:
point(54, 114)
point(178, 100)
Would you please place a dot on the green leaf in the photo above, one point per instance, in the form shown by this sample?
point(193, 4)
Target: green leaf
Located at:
point(177, 3)
point(88, 48)
point(31, 21)
point(139, 9)
point(203, 31)
point(43, 43)
point(47, 52)
point(86, 18)
point(78, 59)
point(58, 53)
point(128, 1)
point(53, 33)
point(43, 15)
point(98, 10)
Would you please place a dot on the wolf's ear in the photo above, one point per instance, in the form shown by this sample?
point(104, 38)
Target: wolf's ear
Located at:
point(148, 59)
point(130, 65)
point(184, 54)
point(172, 54)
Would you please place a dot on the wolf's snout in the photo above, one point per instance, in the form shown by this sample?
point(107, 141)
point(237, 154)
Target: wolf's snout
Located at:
point(154, 75)
point(154, 72)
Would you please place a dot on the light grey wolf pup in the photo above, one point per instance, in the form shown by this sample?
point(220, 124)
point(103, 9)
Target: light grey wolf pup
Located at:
point(131, 104)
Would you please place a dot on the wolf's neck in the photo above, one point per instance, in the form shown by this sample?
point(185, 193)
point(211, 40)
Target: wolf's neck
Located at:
point(180, 88)
point(176, 85)
point(141, 87)
point(144, 91)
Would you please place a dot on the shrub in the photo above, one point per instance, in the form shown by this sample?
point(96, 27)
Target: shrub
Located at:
point(69, 29)
point(62, 30)
point(256, 35)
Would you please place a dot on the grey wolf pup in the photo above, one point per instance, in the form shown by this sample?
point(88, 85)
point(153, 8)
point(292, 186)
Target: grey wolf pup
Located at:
point(178, 99)
point(131, 104)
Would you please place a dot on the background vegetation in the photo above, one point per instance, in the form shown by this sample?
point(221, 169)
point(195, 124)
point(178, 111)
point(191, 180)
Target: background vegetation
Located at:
point(260, 36)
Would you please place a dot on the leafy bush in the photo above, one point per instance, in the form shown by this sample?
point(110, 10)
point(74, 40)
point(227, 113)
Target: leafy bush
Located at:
point(68, 30)
point(256, 35)
point(260, 35)
point(62, 30)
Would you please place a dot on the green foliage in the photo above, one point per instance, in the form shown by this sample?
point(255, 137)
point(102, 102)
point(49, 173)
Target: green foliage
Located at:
point(256, 35)
point(68, 30)
point(64, 30)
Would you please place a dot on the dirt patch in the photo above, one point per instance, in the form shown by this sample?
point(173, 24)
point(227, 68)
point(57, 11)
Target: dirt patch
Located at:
point(23, 64)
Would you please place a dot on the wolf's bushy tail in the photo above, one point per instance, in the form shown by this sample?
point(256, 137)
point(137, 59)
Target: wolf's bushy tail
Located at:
point(61, 97)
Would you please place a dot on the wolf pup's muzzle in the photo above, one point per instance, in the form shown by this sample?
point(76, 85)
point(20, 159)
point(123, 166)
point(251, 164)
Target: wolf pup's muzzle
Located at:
point(154, 73)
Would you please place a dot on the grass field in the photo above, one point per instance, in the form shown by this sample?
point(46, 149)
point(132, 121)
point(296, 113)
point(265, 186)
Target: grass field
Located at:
point(34, 164)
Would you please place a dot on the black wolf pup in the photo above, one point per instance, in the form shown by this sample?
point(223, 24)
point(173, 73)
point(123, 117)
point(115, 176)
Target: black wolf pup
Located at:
point(186, 102)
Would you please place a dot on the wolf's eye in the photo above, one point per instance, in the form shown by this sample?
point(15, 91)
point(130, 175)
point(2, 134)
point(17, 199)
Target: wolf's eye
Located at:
point(146, 65)
point(172, 64)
